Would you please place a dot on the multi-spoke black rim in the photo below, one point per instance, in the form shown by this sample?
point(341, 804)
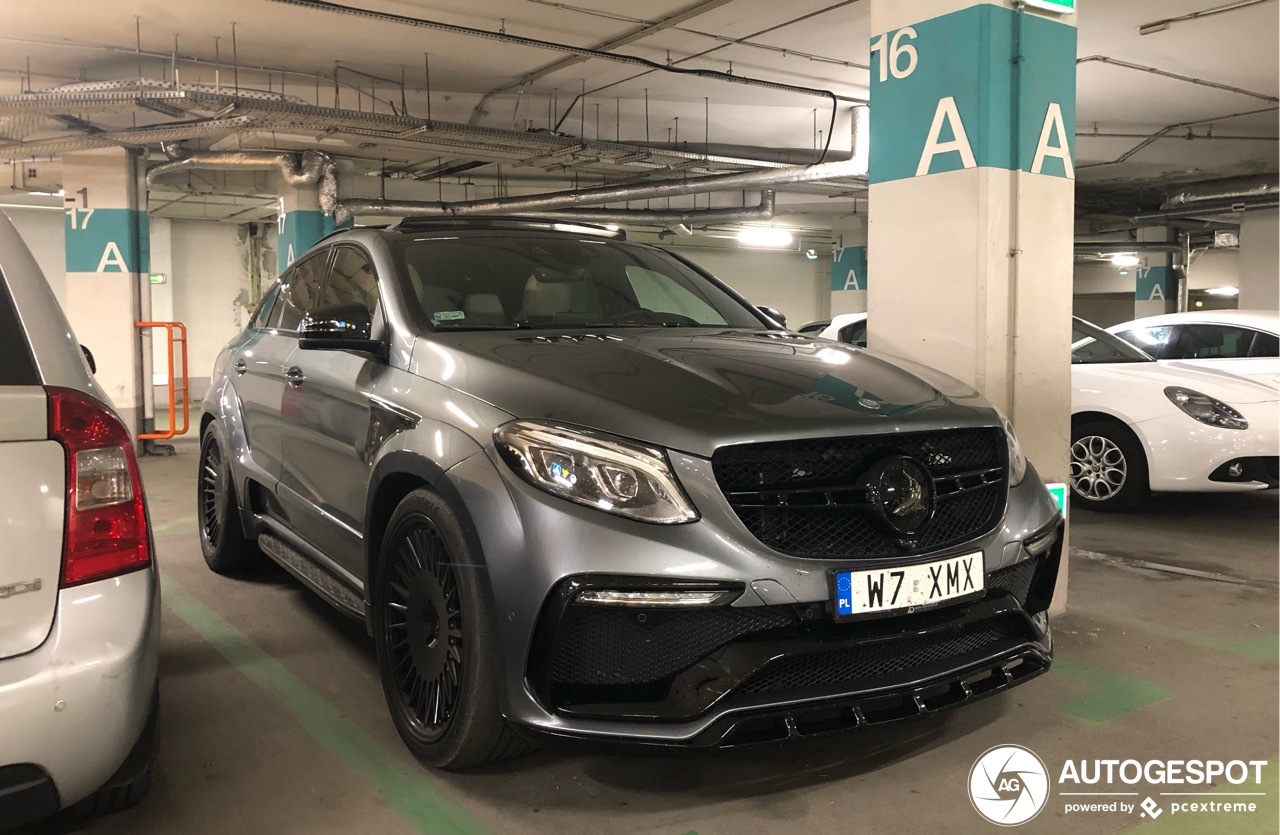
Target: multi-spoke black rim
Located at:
point(422, 628)
point(212, 488)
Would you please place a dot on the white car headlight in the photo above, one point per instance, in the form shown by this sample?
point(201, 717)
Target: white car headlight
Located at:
point(1205, 409)
point(596, 470)
point(1017, 461)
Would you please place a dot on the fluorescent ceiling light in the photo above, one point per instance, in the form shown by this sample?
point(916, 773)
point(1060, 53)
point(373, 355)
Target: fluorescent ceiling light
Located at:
point(766, 236)
point(1223, 291)
point(1125, 259)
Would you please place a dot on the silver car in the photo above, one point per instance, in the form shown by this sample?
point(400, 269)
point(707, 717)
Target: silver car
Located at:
point(581, 491)
point(79, 595)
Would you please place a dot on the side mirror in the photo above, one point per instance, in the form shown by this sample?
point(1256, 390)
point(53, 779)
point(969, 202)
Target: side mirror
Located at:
point(339, 327)
point(88, 357)
point(773, 313)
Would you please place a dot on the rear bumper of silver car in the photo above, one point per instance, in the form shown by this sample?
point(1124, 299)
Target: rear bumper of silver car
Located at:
point(73, 709)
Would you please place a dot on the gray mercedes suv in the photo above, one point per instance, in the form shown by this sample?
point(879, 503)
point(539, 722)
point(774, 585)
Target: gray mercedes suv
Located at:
point(580, 490)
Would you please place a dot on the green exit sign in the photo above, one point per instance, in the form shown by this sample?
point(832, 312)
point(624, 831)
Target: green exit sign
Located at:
point(1059, 6)
point(1059, 494)
point(159, 278)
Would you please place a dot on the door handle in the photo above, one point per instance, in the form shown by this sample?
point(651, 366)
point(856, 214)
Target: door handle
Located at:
point(294, 376)
point(239, 367)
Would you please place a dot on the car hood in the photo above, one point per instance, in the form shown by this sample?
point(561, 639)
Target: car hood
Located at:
point(1225, 386)
point(697, 389)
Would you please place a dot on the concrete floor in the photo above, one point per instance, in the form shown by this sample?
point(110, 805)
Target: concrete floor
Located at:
point(273, 720)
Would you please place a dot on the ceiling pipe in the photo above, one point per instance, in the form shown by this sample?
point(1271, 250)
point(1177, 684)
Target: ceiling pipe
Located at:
point(1208, 208)
point(1115, 62)
point(688, 218)
point(298, 170)
point(849, 169)
point(1235, 188)
point(586, 52)
point(1109, 247)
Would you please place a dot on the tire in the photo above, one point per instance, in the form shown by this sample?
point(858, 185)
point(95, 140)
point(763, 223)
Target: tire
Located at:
point(222, 541)
point(132, 780)
point(1108, 467)
point(433, 631)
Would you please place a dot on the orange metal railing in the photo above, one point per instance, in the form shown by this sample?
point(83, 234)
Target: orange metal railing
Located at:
point(179, 340)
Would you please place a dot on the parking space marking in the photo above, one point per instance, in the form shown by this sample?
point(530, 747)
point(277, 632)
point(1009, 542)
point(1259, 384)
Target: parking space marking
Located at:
point(1116, 694)
point(167, 528)
point(406, 787)
point(1264, 648)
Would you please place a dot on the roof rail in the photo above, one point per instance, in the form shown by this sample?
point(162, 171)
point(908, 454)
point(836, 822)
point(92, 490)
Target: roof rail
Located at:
point(412, 223)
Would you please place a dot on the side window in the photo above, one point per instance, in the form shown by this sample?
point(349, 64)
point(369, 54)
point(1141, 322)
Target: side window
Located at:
point(1213, 342)
point(1155, 341)
point(263, 314)
point(352, 279)
point(659, 293)
point(299, 292)
point(855, 334)
point(1265, 345)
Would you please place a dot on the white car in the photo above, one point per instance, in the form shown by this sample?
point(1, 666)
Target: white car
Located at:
point(79, 590)
point(1240, 341)
point(1140, 426)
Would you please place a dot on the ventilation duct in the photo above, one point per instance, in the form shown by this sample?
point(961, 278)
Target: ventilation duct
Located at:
point(306, 169)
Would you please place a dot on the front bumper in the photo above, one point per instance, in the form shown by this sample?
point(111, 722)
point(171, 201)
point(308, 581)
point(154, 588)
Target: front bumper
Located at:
point(74, 707)
point(535, 546)
point(1184, 455)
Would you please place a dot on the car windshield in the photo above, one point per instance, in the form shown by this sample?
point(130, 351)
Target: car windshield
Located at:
point(515, 281)
point(1090, 344)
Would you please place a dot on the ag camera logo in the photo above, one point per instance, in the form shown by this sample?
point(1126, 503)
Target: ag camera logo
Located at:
point(1008, 785)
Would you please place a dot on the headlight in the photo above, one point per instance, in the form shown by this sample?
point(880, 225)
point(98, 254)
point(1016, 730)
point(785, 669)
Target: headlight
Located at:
point(1206, 409)
point(1017, 461)
point(596, 470)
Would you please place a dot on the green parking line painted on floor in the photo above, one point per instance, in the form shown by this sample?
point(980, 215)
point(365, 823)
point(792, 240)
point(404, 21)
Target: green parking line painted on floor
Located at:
point(1262, 822)
point(182, 525)
point(407, 788)
point(1116, 694)
point(1265, 648)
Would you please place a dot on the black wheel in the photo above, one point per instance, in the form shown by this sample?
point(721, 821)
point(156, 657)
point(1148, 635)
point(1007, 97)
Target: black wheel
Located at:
point(222, 541)
point(1108, 467)
point(438, 661)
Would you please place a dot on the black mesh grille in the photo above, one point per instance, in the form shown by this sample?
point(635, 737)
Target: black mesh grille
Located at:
point(842, 666)
point(605, 646)
point(1015, 579)
point(816, 513)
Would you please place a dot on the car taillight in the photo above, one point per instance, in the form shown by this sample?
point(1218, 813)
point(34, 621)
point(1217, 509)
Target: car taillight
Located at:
point(106, 526)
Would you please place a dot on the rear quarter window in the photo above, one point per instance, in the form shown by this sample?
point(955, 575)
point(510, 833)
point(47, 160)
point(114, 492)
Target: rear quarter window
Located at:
point(17, 366)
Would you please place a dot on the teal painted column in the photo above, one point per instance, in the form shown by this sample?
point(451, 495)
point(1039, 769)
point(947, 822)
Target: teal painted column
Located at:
point(849, 265)
point(971, 205)
point(107, 247)
point(1155, 286)
point(299, 222)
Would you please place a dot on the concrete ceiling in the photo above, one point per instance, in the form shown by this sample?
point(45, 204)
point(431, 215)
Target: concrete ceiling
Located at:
point(819, 44)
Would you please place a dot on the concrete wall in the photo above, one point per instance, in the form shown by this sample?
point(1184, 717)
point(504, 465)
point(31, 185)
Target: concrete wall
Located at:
point(206, 265)
point(788, 281)
point(1260, 260)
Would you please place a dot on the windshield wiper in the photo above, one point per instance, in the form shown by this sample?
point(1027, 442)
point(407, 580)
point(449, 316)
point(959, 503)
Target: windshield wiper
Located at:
point(444, 326)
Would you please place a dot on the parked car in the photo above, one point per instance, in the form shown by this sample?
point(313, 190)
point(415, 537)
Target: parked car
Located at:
point(79, 596)
point(810, 328)
point(1139, 426)
point(580, 490)
point(1242, 341)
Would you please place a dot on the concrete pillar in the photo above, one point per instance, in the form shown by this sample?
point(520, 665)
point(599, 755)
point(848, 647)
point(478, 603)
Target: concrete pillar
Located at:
point(107, 260)
point(1260, 260)
point(300, 221)
point(849, 265)
point(972, 205)
point(1155, 280)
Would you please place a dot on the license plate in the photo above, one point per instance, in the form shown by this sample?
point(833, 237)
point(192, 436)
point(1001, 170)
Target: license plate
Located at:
point(909, 587)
